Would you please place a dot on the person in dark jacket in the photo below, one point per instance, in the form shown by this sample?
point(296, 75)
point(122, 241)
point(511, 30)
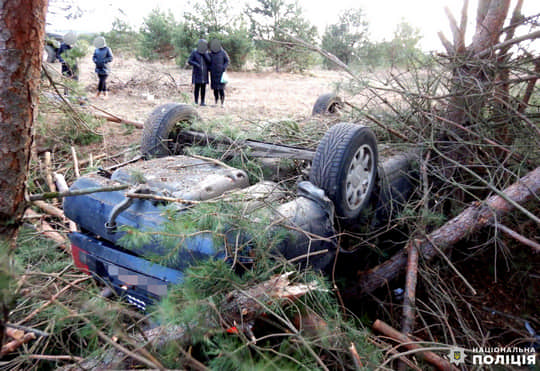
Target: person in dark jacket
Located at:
point(219, 60)
point(102, 57)
point(200, 60)
point(68, 41)
point(66, 69)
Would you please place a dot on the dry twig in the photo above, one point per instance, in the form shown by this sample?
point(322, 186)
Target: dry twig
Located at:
point(518, 237)
point(78, 192)
point(75, 162)
point(410, 286)
point(15, 344)
point(48, 231)
point(408, 343)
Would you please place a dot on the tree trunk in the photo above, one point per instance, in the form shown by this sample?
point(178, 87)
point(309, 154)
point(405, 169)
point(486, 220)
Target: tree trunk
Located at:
point(22, 25)
point(473, 79)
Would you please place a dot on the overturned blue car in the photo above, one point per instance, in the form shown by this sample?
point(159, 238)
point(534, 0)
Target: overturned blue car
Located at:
point(344, 178)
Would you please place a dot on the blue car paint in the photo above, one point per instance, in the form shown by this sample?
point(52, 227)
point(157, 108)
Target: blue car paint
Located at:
point(92, 212)
point(130, 272)
point(133, 275)
point(139, 280)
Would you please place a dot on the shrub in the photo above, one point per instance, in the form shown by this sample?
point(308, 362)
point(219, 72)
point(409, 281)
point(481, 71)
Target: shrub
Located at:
point(157, 34)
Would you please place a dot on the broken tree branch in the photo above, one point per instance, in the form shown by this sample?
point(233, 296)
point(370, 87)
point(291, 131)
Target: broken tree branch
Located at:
point(457, 33)
point(76, 115)
point(78, 192)
point(410, 286)
point(23, 329)
point(489, 185)
point(50, 209)
point(505, 44)
point(143, 196)
point(55, 211)
point(62, 186)
point(471, 220)
point(15, 344)
point(61, 183)
point(48, 174)
point(48, 231)
point(356, 358)
point(324, 53)
point(75, 162)
point(518, 237)
point(408, 343)
point(112, 118)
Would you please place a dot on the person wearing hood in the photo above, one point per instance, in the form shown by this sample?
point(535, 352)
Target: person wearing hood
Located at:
point(68, 41)
point(102, 57)
point(219, 60)
point(200, 59)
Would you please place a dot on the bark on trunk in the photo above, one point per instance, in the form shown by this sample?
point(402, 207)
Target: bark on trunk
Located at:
point(473, 79)
point(22, 28)
point(469, 221)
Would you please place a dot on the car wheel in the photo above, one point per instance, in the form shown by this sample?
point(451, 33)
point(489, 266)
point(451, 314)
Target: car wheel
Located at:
point(162, 129)
point(328, 103)
point(345, 167)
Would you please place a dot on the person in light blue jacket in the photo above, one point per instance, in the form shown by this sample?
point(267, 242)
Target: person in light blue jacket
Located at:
point(102, 57)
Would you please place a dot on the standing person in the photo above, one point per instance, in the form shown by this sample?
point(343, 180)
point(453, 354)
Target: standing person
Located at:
point(102, 57)
point(200, 60)
point(219, 60)
point(68, 69)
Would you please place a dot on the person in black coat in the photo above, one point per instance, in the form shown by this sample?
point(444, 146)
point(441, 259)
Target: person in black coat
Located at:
point(68, 41)
point(66, 69)
point(102, 57)
point(200, 60)
point(219, 60)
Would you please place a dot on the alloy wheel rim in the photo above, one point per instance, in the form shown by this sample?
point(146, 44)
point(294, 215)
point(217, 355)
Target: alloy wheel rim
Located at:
point(359, 177)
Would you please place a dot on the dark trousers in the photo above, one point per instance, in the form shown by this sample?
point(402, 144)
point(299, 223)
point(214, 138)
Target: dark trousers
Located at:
point(102, 84)
point(219, 93)
point(202, 89)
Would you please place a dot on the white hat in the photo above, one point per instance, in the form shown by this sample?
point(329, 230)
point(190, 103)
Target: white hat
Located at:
point(99, 42)
point(70, 38)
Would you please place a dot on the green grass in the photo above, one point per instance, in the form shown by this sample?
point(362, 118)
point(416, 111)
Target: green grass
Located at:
point(41, 271)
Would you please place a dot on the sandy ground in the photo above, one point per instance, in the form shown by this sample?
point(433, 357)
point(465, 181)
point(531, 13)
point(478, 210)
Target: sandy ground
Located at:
point(136, 88)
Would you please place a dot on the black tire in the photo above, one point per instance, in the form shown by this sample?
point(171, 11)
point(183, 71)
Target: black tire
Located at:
point(328, 103)
point(345, 167)
point(163, 126)
point(50, 54)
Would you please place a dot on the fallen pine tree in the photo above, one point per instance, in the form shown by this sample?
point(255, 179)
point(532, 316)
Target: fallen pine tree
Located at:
point(471, 220)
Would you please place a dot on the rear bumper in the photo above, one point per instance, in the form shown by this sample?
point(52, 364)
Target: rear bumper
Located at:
point(140, 281)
